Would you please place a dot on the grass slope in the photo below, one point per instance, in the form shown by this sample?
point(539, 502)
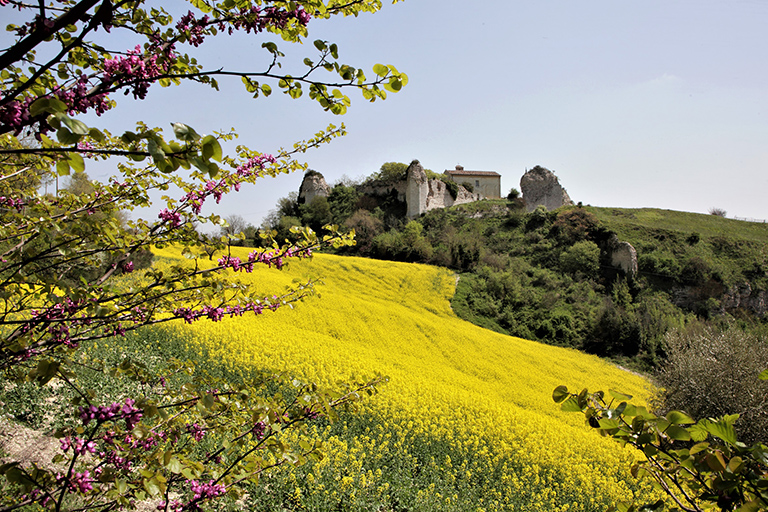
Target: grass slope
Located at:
point(466, 422)
point(627, 220)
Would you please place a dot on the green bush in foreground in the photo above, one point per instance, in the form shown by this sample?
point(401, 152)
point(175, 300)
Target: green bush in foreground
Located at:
point(700, 465)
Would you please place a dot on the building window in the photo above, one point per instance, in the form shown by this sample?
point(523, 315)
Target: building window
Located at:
point(477, 183)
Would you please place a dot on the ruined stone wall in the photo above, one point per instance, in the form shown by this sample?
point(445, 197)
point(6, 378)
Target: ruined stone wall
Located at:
point(423, 194)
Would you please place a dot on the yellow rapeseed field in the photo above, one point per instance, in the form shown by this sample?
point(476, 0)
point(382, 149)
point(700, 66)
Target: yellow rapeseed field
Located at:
point(467, 420)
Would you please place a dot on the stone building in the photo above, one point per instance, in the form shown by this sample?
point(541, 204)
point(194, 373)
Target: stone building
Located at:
point(485, 183)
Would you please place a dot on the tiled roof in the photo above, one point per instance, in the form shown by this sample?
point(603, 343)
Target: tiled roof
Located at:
point(471, 173)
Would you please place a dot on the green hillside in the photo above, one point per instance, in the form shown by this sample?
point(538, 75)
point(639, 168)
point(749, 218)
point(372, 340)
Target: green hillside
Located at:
point(550, 275)
point(630, 223)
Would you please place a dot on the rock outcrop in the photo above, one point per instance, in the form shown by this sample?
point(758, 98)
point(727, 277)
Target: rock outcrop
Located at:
point(623, 256)
point(312, 186)
point(416, 189)
point(540, 186)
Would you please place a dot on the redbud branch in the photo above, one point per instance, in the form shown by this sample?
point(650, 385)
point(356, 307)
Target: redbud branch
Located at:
point(71, 16)
point(58, 25)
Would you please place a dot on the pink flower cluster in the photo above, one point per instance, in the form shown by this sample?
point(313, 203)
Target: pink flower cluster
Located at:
point(190, 315)
point(79, 446)
point(217, 189)
point(80, 482)
point(79, 101)
point(126, 411)
point(254, 19)
point(268, 258)
point(138, 69)
point(259, 430)
point(172, 217)
point(174, 506)
point(54, 318)
point(197, 431)
point(15, 114)
point(254, 166)
point(9, 202)
point(203, 491)
point(195, 28)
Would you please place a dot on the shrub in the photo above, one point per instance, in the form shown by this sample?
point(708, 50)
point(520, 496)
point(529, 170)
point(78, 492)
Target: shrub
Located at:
point(711, 373)
point(537, 218)
point(717, 211)
point(581, 259)
point(452, 186)
point(366, 227)
point(574, 224)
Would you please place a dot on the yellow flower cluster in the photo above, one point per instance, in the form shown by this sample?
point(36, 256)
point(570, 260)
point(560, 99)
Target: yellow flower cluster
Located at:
point(465, 406)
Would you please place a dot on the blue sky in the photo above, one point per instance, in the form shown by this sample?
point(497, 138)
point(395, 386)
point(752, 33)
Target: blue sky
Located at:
point(643, 104)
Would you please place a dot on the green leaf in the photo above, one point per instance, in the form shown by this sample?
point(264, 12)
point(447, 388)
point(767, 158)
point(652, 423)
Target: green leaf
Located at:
point(211, 145)
point(266, 90)
point(571, 405)
point(560, 393)
point(184, 132)
point(763, 375)
point(152, 487)
point(650, 450)
point(78, 127)
point(381, 70)
point(175, 466)
point(678, 433)
point(66, 137)
point(47, 105)
point(394, 85)
point(679, 418)
point(39, 106)
point(698, 447)
point(96, 135)
point(723, 429)
point(735, 464)
point(716, 462)
point(751, 506)
point(619, 396)
point(62, 167)
point(608, 424)
point(154, 149)
point(76, 162)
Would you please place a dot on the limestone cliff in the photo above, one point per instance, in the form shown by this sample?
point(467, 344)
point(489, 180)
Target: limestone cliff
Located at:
point(313, 185)
point(540, 186)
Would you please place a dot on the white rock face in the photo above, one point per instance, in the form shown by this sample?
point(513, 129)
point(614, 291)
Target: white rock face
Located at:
point(312, 186)
point(416, 190)
point(540, 186)
point(624, 256)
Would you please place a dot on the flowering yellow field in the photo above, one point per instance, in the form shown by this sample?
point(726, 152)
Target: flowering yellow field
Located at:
point(466, 422)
